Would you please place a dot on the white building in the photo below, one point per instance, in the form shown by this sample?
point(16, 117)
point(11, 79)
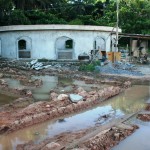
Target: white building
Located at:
point(53, 41)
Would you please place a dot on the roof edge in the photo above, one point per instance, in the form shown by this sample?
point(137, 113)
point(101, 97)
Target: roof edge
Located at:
point(57, 27)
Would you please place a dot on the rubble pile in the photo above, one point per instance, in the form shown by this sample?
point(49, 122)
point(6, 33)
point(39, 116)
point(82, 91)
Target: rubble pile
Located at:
point(34, 64)
point(106, 139)
point(118, 68)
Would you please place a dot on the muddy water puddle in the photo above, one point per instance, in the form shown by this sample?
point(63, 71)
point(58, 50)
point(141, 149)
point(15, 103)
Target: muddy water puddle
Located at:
point(60, 85)
point(5, 99)
point(130, 101)
point(137, 141)
point(43, 92)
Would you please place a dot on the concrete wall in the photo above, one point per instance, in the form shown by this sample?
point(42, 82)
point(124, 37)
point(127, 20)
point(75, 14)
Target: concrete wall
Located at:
point(43, 43)
point(0, 47)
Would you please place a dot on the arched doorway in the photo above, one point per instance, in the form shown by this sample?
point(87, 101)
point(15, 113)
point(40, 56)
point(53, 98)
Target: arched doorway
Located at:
point(64, 48)
point(24, 47)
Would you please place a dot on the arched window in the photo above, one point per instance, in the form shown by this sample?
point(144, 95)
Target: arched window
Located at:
point(69, 44)
point(22, 45)
point(64, 48)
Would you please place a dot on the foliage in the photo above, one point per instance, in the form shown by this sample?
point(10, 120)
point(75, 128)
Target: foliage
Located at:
point(43, 17)
point(134, 15)
point(89, 67)
point(76, 22)
point(17, 17)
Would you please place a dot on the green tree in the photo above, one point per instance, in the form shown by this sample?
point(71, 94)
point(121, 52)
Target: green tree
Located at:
point(134, 16)
point(5, 9)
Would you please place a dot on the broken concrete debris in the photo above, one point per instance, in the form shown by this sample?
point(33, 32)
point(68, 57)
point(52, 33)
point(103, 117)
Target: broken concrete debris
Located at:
point(75, 98)
point(34, 64)
point(118, 68)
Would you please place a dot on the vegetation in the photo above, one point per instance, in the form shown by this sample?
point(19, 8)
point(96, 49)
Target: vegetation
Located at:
point(134, 15)
point(89, 67)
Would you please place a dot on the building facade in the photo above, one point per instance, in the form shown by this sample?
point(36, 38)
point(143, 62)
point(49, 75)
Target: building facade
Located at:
point(53, 42)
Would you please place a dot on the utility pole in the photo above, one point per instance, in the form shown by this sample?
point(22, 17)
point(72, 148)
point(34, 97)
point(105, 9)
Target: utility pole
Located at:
point(117, 26)
point(117, 22)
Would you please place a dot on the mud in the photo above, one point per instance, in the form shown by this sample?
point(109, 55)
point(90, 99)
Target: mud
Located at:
point(103, 140)
point(40, 111)
point(145, 115)
point(24, 111)
point(108, 138)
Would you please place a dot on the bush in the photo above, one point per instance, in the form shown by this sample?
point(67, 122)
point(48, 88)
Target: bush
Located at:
point(89, 67)
point(76, 22)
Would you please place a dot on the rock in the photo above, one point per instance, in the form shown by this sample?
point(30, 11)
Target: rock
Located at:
point(16, 122)
point(127, 84)
point(29, 93)
point(83, 93)
point(3, 82)
point(53, 96)
point(52, 145)
point(78, 149)
point(47, 106)
point(75, 98)
point(62, 97)
point(80, 89)
point(1, 75)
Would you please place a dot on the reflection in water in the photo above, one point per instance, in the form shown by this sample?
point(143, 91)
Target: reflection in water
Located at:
point(42, 92)
point(129, 101)
point(60, 84)
point(13, 83)
point(5, 99)
point(137, 141)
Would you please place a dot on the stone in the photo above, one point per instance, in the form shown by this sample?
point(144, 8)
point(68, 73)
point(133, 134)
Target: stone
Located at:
point(78, 149)
point(80, 89)
point(75, 98)
point(83, 93)
point(53, 95)
point(52, 145)
point(62, 97)
point(29, 93)
point(1, 75)
point(47, 106)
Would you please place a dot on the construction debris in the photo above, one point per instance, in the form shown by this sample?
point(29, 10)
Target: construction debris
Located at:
point(118, 68)
point(34, 64)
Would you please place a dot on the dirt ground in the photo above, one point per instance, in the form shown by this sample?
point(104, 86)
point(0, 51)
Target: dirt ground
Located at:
point(145, 114)
point(25, 112)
